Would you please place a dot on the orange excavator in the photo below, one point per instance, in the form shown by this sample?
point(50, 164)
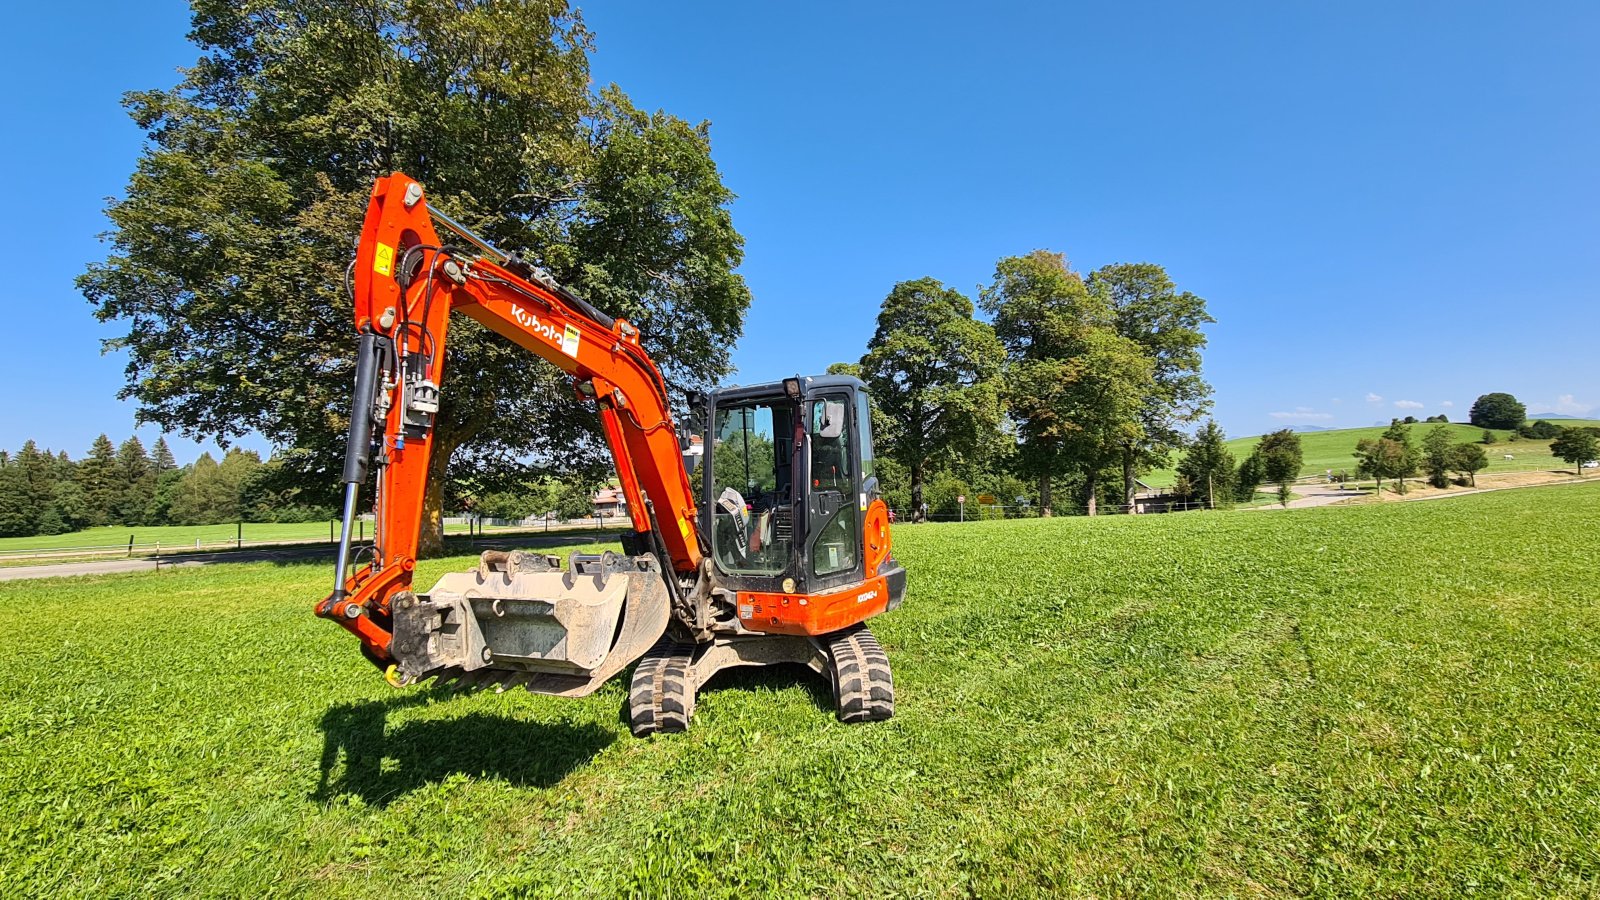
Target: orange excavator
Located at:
point(781, 556)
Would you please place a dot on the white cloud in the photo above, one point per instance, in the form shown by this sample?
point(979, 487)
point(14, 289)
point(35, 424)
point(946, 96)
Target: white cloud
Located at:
point(1337, 400)
point(1303, 414)
point(1407, 404)
point(1447, 403)
point(1566, 404)
point(1374, 398)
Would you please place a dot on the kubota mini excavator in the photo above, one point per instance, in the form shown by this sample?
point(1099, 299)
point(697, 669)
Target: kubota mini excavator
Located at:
point(783, 558)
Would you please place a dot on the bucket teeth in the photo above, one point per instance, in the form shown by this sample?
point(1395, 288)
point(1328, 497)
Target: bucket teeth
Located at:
point(446, 677)
point(513, 680)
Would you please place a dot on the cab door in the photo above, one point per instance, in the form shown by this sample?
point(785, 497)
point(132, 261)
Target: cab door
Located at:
point(833, 509)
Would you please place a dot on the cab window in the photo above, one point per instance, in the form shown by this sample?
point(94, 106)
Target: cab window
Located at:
point(750, 464)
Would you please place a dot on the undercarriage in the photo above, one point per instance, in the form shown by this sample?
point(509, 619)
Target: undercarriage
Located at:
point(520, 620)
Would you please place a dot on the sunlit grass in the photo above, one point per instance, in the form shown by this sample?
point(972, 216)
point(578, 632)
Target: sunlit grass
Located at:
point(1377, 700)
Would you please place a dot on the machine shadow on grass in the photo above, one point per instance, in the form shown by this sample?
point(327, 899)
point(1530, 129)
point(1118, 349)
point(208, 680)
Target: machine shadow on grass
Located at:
point(382, 764)
point(747, 679)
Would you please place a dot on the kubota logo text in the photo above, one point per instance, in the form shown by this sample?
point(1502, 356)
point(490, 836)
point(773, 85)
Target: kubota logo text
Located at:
point(565, 338)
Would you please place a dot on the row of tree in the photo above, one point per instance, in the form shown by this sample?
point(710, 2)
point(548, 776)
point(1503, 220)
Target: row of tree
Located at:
point(1207, 474)
point(1073, 381)
point(50, 493)
point(1393, 455)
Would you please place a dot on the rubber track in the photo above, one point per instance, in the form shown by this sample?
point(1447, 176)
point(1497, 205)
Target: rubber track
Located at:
point(661, 695)
point(863, 685)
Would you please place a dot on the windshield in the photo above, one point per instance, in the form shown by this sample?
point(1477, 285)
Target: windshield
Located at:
point(752, 518)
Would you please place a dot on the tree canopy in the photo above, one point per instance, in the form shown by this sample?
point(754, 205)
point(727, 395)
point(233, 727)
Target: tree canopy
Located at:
point(1208, 467)
point(1148, 309)
point(1497, 410)
point(1576, 446)
point(1468, 460)
point(1075, 386)
point(932, 368)
point(1281, 459)
point(229, 247)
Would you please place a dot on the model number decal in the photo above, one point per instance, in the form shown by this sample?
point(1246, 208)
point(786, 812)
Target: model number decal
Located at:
point(869, 595)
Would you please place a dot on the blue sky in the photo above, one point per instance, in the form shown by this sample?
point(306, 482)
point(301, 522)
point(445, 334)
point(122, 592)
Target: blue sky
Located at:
point(1385, 204)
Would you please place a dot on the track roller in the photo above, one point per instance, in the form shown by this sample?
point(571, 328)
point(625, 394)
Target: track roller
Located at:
point(863, 688)
point(661, 695)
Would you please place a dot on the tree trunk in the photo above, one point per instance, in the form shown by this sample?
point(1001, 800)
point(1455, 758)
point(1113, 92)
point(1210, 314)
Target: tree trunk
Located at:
point(1090, 489)
point(430, 539)
point(917, 514)
point(1129, 488)
point(1045, 499)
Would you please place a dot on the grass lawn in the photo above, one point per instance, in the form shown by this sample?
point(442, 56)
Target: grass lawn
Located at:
point(1376, 700)
point(1335, 450)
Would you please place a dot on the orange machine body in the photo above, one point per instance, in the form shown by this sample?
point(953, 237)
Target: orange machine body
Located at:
point(406, 283)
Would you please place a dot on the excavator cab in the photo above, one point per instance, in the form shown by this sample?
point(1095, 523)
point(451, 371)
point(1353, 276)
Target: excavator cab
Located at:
point(794, 511)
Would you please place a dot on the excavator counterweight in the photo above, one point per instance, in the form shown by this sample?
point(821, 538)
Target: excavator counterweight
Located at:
point(781, 557)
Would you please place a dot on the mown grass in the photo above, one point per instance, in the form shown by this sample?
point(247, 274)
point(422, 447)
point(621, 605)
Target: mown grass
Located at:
point(1325, 450)
point(1379, 700)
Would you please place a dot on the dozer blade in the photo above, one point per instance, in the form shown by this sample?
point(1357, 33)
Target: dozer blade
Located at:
point(518, 619)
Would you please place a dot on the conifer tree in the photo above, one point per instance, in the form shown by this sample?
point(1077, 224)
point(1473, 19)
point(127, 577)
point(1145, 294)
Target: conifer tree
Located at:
point(136, 482)
point(97, 476)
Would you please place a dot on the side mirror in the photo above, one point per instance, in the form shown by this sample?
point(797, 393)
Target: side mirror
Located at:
point(832, 424)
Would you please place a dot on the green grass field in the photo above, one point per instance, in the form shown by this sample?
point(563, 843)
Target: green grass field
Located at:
point(1335, 450)
point(1378, 700)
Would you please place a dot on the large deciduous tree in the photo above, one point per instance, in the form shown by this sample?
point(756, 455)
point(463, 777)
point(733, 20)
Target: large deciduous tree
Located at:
point(228, 250)
point(932, 370)
point(1148, 309)
point(1073, 384)
point(1576, 446)
point(1497, 410)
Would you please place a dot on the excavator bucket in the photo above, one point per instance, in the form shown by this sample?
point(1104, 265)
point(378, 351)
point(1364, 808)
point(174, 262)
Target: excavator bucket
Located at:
point(519, 620)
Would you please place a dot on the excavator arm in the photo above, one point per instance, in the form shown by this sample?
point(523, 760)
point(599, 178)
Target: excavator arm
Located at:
point(406, 281)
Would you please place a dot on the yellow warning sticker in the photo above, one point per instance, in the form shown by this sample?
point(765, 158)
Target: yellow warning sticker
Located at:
point(383, 260)
point(569, 341)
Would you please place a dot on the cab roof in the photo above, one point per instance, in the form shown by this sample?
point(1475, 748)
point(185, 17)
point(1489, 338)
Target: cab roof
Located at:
point(809, 384)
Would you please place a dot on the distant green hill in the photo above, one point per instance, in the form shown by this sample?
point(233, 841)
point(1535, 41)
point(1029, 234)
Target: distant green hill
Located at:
point(1325, 450)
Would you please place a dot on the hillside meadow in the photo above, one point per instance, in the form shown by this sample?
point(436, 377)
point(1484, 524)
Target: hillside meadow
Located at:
point(1335, 450)
point(1379, 700)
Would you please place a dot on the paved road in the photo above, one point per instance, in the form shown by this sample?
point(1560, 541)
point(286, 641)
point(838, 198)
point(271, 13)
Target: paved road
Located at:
point(1314, 494)
point(272, 554)
point(1324, 494)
